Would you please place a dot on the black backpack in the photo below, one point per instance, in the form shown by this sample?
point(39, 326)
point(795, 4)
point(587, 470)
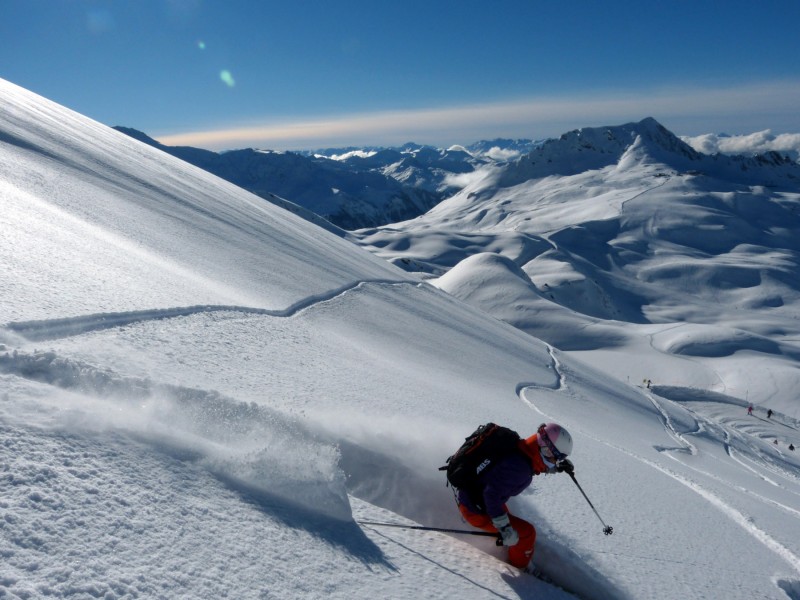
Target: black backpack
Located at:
point(479, 453)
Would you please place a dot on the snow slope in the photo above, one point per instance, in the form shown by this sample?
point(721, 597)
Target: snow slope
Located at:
point(201, 394)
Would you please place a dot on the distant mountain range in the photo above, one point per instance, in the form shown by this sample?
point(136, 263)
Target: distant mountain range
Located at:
point(350, 187)
point(355, 188)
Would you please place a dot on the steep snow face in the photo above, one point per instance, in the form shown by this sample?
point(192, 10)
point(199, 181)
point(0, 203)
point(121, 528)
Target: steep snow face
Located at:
point(346, 198)
point(613, 227)
point(92, 196)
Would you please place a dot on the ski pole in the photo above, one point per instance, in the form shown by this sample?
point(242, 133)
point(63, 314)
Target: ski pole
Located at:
point(439, 529)
point(608, 530)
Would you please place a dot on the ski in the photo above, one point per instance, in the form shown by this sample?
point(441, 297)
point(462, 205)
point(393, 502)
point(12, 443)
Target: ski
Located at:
point(544, 577)
point(531, 570)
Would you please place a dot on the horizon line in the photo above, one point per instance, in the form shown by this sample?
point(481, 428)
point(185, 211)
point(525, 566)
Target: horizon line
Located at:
point(551, 115)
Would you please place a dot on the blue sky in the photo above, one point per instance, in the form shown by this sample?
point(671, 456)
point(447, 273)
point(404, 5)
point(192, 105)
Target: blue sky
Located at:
point(307, 74)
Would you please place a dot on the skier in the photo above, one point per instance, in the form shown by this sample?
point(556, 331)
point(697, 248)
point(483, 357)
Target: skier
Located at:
point(750, 410)
point(544, 452)
point(791, 447)
point(769, 413)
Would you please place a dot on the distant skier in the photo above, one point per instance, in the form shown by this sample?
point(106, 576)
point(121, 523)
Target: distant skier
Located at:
point(769, 413)
point(750, 410)
point(485, 507)
point(791, 447)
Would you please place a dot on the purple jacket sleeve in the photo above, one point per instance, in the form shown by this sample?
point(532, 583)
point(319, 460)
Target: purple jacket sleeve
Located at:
point(507, 478)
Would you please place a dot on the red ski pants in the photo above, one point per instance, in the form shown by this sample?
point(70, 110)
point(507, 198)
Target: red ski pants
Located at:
point(519, 554)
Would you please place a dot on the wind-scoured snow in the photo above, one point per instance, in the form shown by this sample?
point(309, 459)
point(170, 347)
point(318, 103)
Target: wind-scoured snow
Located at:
point(201, 395)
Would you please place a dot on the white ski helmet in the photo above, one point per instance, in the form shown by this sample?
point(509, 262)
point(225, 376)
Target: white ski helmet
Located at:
point(555, 442)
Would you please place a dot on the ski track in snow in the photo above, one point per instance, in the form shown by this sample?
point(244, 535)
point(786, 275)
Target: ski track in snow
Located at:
point(666, 422)
point(732, 513)
point(49, 329)
point(738, 517)
point(741, 460)
point(210, 423)
point(559, 385)
point(735, 515)
point(726, 435)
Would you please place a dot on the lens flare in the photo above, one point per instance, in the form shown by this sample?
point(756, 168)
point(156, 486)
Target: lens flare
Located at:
point(201, 45)
point(227, 78)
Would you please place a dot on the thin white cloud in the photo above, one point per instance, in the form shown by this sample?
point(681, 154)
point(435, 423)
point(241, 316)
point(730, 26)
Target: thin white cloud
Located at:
point(754, 143)
point(501, 154)
point(354, 153)
point(462, 180)
point(680, 109)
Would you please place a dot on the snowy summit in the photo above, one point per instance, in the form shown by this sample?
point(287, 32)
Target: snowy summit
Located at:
point(203, 395)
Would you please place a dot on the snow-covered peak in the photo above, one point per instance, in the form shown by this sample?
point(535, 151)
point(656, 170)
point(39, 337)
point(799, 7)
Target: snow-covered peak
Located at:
point(643, 142)
point(597, 147)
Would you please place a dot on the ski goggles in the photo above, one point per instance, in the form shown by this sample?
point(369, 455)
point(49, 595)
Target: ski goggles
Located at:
point(555, 453)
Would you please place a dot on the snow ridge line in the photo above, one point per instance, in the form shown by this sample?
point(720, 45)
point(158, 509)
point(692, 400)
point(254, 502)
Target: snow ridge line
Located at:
point(49, 329)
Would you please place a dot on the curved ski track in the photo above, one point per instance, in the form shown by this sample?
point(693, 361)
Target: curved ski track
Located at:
point(741, 519)
point(49, 329)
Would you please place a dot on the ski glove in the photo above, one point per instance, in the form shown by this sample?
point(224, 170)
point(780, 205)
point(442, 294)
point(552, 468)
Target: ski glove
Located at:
point(507, 532)
point(565, 466)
